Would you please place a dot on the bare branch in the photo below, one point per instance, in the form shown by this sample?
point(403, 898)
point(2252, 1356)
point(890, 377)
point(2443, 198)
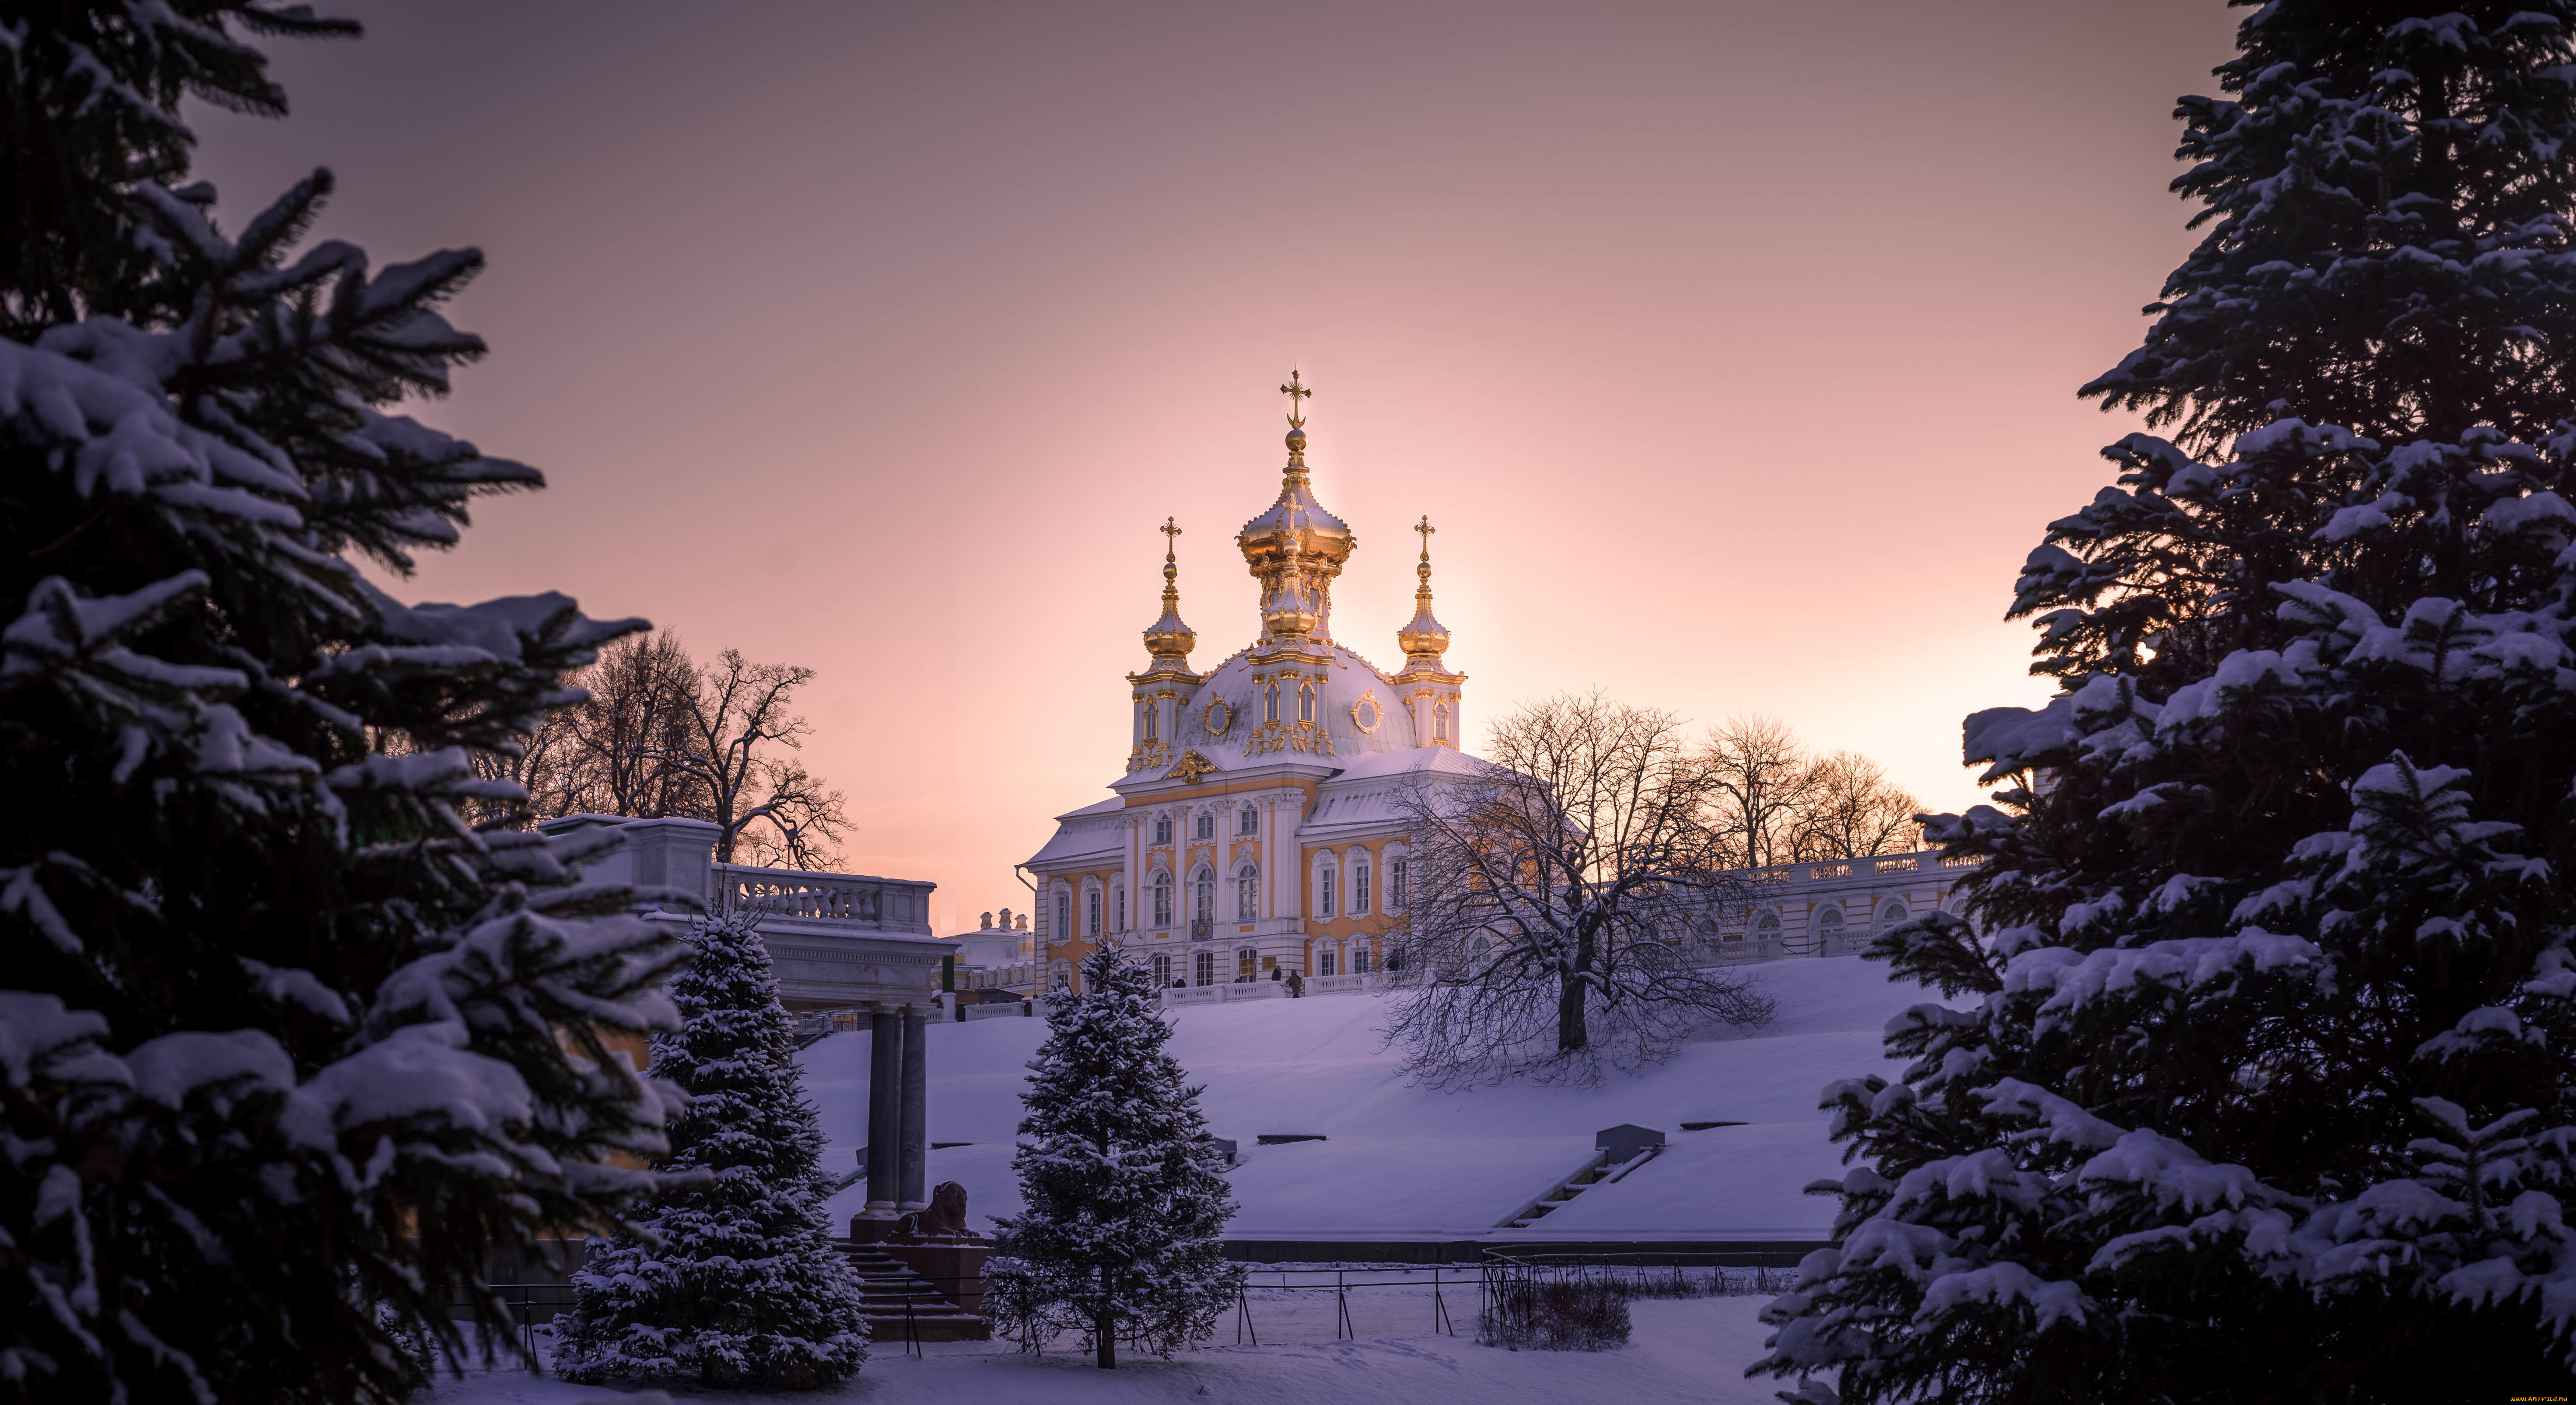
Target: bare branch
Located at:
point(1551, 896)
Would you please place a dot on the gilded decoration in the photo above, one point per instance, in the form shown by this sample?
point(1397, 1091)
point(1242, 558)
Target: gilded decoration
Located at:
point(1192, 767)
point(1218, 717)
point(1148, 755)
point(1288, 736)
point(1366, 714)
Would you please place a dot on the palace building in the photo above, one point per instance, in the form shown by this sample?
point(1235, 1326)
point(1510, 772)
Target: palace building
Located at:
point(1256, 830)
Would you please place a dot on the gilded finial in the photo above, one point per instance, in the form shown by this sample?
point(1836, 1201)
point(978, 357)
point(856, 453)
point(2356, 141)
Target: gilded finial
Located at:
point(1169, 640)
point(1297, 394)
point(1424, 637)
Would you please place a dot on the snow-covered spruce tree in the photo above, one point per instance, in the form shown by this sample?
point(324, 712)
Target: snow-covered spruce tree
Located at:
point(742, 1286)
point(1126, 1198)
point(2265, 1088)
point(285, 1044)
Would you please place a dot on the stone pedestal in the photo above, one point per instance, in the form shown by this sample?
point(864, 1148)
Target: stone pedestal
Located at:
point(953, 1264)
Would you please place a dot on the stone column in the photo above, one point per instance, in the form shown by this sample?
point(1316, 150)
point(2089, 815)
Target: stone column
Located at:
point(885, 1113)
point(915, 1133)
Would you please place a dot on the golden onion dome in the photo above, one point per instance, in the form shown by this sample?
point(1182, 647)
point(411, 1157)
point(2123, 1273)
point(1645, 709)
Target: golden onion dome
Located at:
point(1168, 639)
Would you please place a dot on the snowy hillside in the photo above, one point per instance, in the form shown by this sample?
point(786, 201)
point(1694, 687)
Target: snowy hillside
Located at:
point(1402, 1162)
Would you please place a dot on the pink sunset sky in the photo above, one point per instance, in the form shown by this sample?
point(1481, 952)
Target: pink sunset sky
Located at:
point(1732, 348)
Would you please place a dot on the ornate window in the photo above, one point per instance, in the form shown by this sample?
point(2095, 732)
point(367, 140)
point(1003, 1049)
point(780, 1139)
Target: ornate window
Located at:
point(1162, 900)
point(1162, 971)
point(1206, 827)
point(1270, 701)
point(1305, 702)
point(1247, 893)
point(1247, 964)
point(1203, 969)
point(1395, 885)
point(1150, 709)
point(1828, 924)
point(1091, 912)
point(1324, 892)
point(1249, 822)
point(1063, 918)
point(1440, 722)
point(1205, 909)
point(1766, 926)
point(1894, 912)
point(1359, 887)
point(1119, 904)
point(1162, 831)
point(1359, 958)
point(1324, 959)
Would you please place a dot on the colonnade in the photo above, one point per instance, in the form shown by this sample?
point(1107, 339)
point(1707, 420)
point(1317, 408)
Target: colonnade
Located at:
point(898, 1115)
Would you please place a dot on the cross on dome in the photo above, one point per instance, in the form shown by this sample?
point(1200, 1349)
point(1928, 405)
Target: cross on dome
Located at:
point(1297, 395)
point(1426, 529)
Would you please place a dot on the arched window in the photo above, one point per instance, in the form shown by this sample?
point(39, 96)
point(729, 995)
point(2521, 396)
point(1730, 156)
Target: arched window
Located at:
point(1324, 892)
point(1162, 971)
point(1063, 918)
point(1324, 959)
point(1150, 710)
point(1249, 822)
point(1204, 909)
point(1305, 702)
point(1247, 894)
point(1162, 900)
point(1829, 922)
point(1270, 701)
point(1163, 831)
point(1091, 912)
point(1893, 913)
point(1395, 885)
point(1207, 827)
point(1359, 887)
point(1203, 969)
point(1440, 722)
point(1118, 906)
point(1766, 926)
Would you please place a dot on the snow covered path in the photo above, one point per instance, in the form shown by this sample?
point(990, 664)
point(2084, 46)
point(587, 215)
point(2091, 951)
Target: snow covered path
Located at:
point(1402, 1162)
point(1692, 1350)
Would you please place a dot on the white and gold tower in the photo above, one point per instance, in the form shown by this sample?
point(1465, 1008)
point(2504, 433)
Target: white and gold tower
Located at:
point(1252, 834)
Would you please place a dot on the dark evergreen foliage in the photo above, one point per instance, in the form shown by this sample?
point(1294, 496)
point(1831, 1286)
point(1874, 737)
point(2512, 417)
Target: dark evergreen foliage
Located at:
point(1127, 1200)
point(285, 1044)
point(2261, 1089)
point(739, 1283)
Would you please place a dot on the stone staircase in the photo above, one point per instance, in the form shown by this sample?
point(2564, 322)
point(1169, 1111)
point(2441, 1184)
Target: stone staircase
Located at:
point(887, 1284)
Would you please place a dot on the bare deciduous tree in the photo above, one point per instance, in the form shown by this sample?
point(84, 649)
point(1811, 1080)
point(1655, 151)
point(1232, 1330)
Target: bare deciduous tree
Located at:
point(1852, 810)
point(637, 719)
point(1550, 893)
point(738, 723)
point(1763, 782)
point(659, 737)
point(1783, 806)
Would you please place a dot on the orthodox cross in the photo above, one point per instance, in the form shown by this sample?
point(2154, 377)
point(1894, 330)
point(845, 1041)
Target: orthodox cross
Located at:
point(1170, 531)
point(1296, 393)
point(1426, 529)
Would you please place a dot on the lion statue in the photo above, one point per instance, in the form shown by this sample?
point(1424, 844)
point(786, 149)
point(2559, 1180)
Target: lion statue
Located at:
point(946, 1217)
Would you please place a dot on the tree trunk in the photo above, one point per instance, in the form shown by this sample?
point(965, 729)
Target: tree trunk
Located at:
point(1571, 1034)
point(1103, 1326)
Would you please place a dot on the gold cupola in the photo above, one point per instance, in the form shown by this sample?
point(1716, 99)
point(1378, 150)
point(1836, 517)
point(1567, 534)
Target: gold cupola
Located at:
point(1424, 637)
point(1296, 548)
point(1168, 639)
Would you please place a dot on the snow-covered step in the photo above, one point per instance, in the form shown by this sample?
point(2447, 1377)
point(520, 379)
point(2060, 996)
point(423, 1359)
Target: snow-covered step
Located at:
point(889, 1292)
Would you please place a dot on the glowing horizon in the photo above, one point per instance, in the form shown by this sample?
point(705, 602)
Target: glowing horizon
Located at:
point(1730, 348)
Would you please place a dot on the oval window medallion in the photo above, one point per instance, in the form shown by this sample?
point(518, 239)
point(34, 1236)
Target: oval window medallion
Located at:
point(1219, 717)
point(1366, 714)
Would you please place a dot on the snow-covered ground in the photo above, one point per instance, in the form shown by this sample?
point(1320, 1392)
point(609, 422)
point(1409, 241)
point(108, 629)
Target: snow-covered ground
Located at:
point(1689, 1350)
point(1403, 1162)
